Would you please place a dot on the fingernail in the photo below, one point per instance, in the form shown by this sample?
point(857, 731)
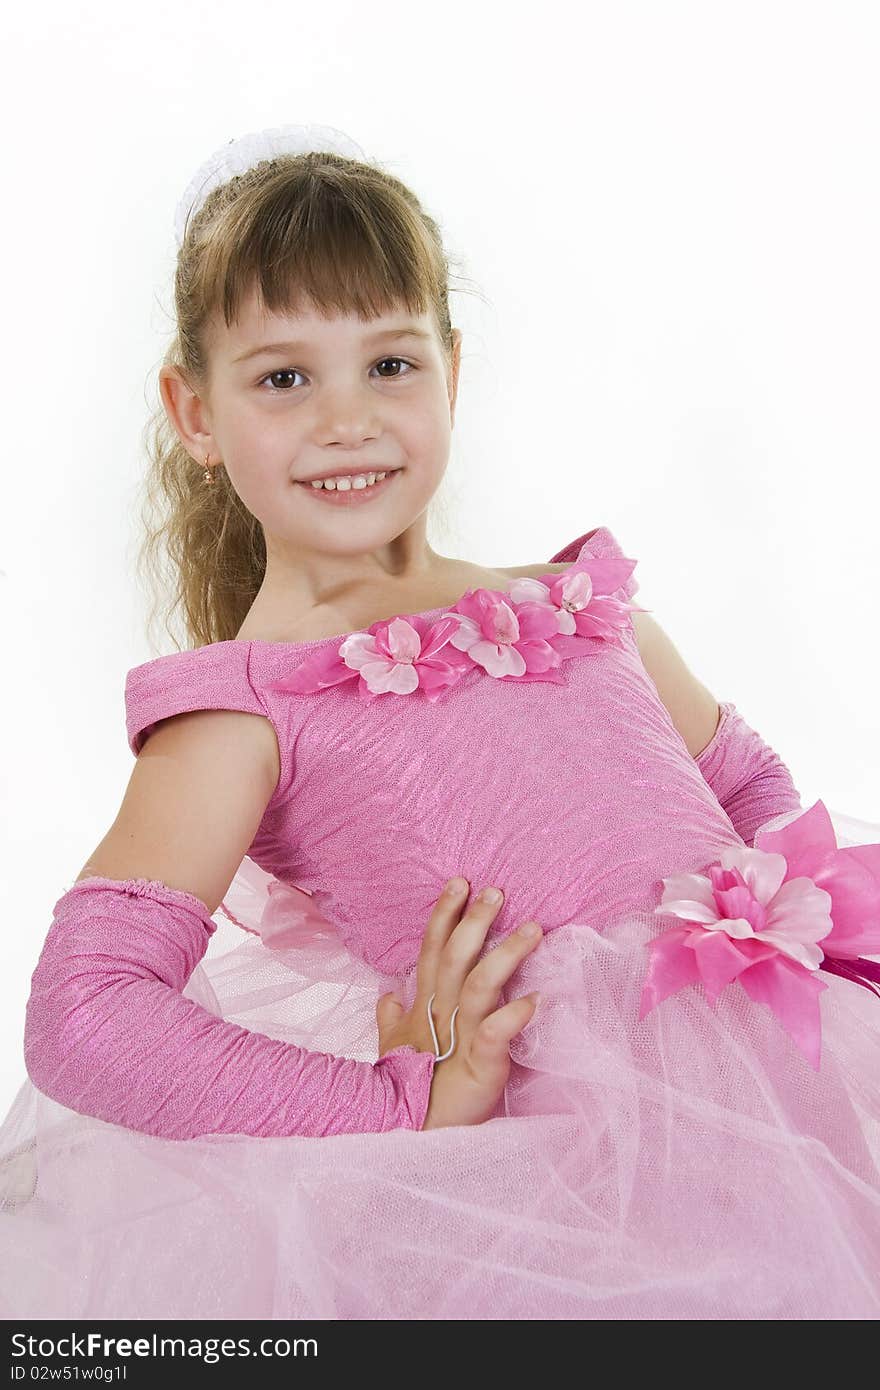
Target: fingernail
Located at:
point(490, 895)
point(456, 885)
point(530, 930)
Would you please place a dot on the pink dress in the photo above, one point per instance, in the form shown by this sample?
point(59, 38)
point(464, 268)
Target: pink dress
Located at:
point(689, 1165)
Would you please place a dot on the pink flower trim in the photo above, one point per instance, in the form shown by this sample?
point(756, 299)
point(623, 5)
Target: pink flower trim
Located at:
point(523, 633)
point(396, 656)
point(507, 641)
point(759, 917)
point(582, 599)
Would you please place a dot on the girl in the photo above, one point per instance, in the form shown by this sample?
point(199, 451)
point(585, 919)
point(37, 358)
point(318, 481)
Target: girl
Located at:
point(363, 735)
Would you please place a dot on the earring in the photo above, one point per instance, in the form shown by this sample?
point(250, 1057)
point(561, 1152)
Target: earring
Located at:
point(209, 476)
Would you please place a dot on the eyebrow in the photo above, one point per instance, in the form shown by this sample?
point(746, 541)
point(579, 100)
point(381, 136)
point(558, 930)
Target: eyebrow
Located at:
point(403, 331)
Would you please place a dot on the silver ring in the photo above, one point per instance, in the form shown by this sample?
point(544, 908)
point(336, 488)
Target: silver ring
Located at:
point(451, 1048)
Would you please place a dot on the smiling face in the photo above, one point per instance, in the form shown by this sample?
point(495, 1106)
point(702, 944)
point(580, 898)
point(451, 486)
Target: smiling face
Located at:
point(341, 395)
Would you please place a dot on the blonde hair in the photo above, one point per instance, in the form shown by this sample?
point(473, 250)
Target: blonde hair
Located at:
point(318, 227)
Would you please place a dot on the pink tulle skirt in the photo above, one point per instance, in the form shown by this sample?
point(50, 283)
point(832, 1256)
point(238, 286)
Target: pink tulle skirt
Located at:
point(692, 1165)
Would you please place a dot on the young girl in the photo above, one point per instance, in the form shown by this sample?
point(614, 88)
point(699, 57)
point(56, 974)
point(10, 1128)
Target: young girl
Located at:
point(363, 735)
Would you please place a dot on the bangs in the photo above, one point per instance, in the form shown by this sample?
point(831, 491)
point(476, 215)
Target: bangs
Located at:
point(308, 237)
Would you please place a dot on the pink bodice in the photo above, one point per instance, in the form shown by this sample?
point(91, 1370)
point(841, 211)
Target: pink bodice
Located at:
point(575, 797)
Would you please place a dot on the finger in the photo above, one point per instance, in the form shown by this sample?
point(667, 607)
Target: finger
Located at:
point(463, 946)
point(442, 921)
point(479, 992)
point(489, 1046)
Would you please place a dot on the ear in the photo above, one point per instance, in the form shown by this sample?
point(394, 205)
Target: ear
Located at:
point(188, 414)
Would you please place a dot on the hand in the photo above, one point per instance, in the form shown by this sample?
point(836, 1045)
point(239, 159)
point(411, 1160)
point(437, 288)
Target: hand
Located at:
point(466, 1086)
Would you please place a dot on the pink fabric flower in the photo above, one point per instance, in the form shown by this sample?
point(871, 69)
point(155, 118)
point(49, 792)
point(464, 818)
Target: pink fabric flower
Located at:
point(582, 599)
point(402, 656)
point(504, 642)
point(759, 916)
point(850, 874)
point(395, 656)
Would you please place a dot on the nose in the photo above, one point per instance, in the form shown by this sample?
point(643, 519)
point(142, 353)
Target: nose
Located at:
point(348, 418)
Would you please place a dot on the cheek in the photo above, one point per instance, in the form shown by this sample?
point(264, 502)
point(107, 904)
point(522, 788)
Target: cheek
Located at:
point(264, 448)
point(260, 470)
point(428, 430)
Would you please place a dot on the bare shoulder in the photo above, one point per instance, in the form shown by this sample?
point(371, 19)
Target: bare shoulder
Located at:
point(535, 571)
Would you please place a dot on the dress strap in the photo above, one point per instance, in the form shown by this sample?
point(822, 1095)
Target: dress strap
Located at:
point(599, 543)
point(210, 677)
point(215, 676)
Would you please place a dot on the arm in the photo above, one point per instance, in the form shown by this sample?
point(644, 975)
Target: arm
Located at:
point(750, 780)
point(108, 1031)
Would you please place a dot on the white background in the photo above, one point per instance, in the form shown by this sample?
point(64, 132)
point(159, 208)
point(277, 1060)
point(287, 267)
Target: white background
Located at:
point(670, 214)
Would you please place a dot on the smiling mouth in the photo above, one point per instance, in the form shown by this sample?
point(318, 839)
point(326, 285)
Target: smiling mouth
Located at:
point(358, 477)
point(356, 486)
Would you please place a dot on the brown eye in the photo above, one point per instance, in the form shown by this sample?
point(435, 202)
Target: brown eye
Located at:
point(395, 359)
point(283, 371)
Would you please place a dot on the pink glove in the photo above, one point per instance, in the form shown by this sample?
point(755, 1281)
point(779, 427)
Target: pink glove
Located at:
point(751, 782)
point(109, 1033)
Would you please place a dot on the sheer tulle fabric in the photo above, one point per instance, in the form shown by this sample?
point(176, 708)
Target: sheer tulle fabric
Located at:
point(688, 1166)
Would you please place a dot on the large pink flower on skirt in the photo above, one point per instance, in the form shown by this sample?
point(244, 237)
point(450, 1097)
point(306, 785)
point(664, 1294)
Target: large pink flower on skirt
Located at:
point(759, 917)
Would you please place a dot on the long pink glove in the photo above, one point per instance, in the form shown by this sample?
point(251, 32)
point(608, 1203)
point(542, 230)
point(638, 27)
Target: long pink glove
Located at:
point(750, 780)
point(109, 1033)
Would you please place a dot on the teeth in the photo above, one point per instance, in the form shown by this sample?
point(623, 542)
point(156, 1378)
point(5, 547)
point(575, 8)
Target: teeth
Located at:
point(344, 483)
